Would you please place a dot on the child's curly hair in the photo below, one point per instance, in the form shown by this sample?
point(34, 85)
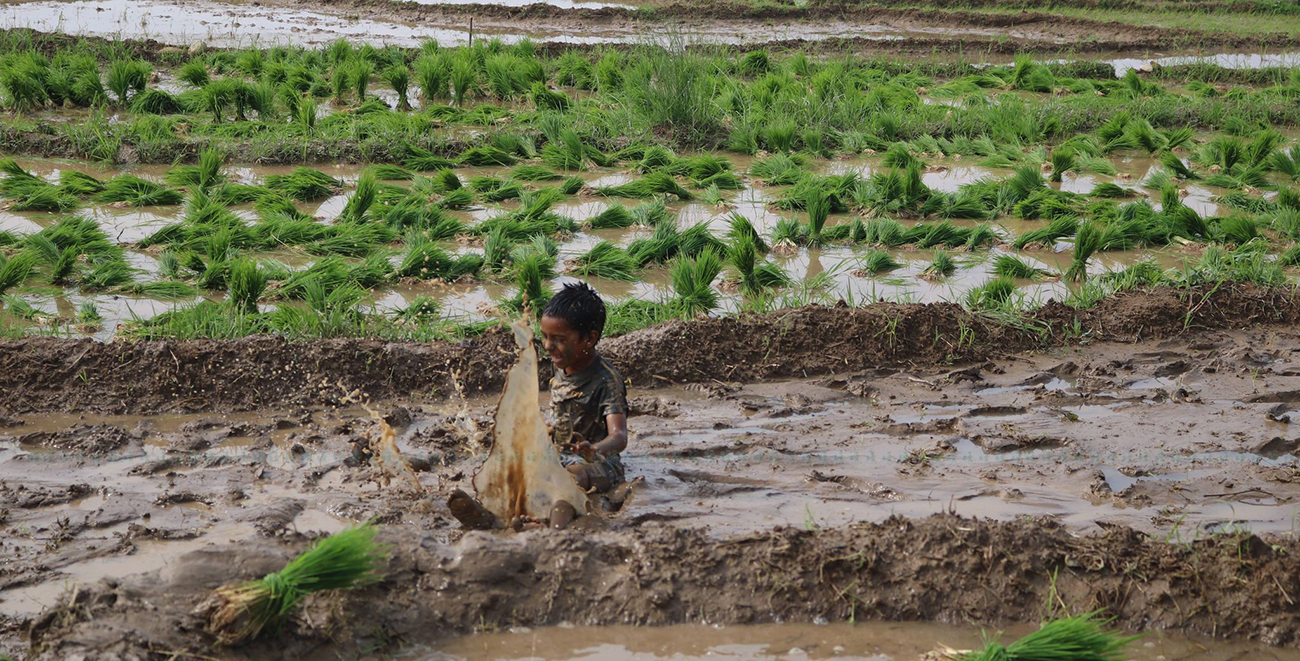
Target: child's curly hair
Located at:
point(580, 306)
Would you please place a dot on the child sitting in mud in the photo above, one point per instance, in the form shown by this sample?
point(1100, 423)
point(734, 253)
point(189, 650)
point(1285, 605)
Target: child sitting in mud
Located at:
point(588, 404)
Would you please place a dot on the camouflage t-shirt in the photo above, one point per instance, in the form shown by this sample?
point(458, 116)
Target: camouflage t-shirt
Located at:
point(580, 401)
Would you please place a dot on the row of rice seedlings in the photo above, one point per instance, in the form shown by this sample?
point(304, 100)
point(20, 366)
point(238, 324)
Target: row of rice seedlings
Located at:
point(426, 260)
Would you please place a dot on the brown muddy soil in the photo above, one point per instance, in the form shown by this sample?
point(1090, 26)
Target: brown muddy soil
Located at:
point(45, 374)
point(1146, 469)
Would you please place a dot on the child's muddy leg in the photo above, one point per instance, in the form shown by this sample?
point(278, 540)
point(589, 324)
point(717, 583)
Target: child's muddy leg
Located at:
point(470, 512)
point(562, 514)
point(580, 474)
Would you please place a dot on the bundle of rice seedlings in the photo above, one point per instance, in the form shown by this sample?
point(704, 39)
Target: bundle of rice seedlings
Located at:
point(204, 175)
point(1286, 163)
point(531, 269)
point(534, 173)
point(1023, 183)
point(661, 246)
point(193, 73)
point(741, 227)
point(361, 199)
point(546, 99)
point(18, 182)
point(163, 289)
point(606, 260)
point(1011, 266)
point(130, 189)
point(45, 198)
point(434, 74)
point(14, 270)
point(818, 205)
point(1057, 229)
point(941, 267)
point(353, 239)
point(875, 262)
point(884, 232)
point(482, 155)
point(464, 81)
point(422, 160)
point(1173, 164)
point(700, 166)
point(1062, 161)
point(1290, 256)
point(79, 183)
point(1108, 189)
point(572, 186)
point(247, 283)
point(615, 216)
point(697, 239)
point(654, 183)
point(655, 157)
point(1076, 638)
point(127, 77)
point(385, 172)
point(344, 560)
point(1087, 241)
point(991, 295)
point(399, 78)
point(460, 198)
point(425, 260)
point(692, 281)
point(650, 214)
point(107, 272)
point(304, 184)
point(1236, 230)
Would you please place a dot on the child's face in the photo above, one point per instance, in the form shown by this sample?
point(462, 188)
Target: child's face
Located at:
point(569, 350)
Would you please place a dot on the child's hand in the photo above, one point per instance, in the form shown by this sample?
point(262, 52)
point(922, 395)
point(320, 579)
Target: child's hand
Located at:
point(585, 449)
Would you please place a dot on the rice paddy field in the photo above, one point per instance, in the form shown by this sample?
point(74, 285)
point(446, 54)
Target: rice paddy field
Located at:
point(939, 319)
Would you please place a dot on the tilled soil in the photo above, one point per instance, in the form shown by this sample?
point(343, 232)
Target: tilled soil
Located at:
point(39, 375)
point(1140, 467)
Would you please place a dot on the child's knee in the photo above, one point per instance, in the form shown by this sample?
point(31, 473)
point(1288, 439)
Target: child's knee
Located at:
point(579, 472)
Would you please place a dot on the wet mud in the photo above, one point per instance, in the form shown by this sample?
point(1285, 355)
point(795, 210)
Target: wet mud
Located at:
point(1149, 469)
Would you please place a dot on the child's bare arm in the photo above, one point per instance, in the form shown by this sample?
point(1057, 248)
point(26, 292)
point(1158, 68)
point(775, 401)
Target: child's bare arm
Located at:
point(613, 443)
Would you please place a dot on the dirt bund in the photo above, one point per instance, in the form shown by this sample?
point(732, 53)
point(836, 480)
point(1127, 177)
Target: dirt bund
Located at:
point(52, 375)
point(943, 568)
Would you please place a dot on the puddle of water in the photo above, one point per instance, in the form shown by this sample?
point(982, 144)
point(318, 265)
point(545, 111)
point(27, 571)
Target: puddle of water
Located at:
point(1225, 60)
point(876, 641)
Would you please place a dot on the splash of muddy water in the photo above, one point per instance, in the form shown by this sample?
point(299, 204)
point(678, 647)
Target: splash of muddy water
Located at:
point(522, 475)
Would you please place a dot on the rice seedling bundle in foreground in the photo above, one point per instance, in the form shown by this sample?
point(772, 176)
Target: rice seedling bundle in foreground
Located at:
point(347, 559)
point(1077, 638)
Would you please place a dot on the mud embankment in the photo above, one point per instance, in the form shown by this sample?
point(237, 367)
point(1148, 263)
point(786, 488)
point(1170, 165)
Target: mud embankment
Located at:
point(943, 568)
point(45, 374)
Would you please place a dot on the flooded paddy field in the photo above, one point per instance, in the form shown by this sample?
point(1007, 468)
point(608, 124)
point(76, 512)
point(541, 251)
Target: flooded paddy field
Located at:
point(917, 349)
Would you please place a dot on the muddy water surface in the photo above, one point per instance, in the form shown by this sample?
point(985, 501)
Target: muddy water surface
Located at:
point(874, 641)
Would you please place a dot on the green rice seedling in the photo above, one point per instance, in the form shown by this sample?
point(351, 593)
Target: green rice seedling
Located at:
point(88, 313)
point(461, 198)
point(386, 172)
point(1175, 165)
point(1087, 241)
point(530, 269)
point(941, 267)
point(1063, 161)
point(1290, 257)
point(1261, 148)
point(304, 184)
point(606, 260)
point(17, 181)
point(615, 216)
point(362, 198)
point(484, 155)
point(421, 309)
point(127, 77)
point(79, 183)
point(399, 78)
point(723, 180)
point(1011, 266)
point(155, 102)
point(650, 214)
point(568, 153)
point(360, 75)
point(692, 282)
point(20, 308)
point(755, 275)
point(778, 136)
point(701, 166)
point(741, 226)
point(656, 157)
point(425, 260)
point(247, 284)
point(46, 197)
point(653, 183)
point(193, 73)
point(1059, 228)
point(1075, 638)
point(464, 81)
point(341, 84)
point(1286, 163)
point(163, 289)
point(422, 160)
point(15, 270)
point(305, 116)
point(434, 74)
point(509, 190)
point(107, 272)
point(697, 239)
point(1236, 230)
point(1108, 189)
point(574, 70)
point(344, 560)
point(789, 232)
point(1024, 182)
point(897, 156)
point(534, 173)
point(991, 295)
point(132, 190)
point(875, 262)
point(572, 186)
point(712, 196)
point(203, 176)
point(819, 207)
point(660, 247)
point(546, 99)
